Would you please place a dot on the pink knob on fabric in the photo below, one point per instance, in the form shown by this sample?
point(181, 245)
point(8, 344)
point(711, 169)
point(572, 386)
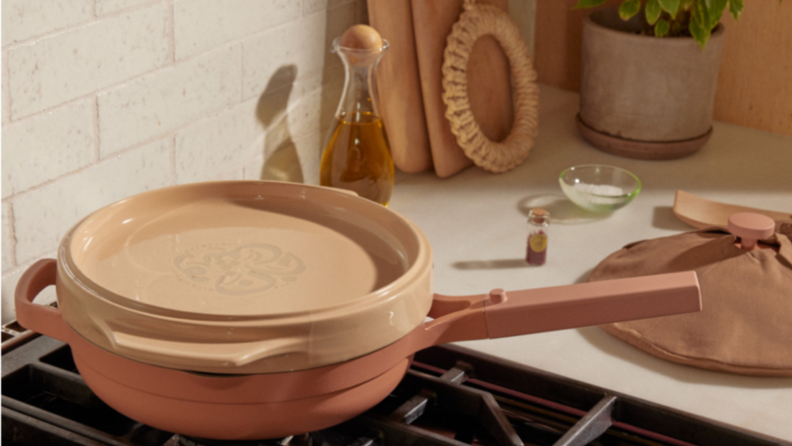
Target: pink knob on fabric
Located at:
point(751, 227)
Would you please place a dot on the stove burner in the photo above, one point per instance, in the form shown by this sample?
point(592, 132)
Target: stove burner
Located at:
point(189, 441)
point(301, 440)
point(451, 396)
point(321, 438)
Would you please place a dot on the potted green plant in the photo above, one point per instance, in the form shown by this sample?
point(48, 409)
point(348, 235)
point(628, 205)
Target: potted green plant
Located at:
point(648, 81)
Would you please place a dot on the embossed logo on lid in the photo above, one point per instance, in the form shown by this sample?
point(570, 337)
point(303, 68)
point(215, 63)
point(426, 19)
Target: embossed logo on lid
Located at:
point(241, 270)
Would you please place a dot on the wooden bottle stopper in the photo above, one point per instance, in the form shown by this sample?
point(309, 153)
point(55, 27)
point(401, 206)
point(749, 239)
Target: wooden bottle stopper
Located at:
point(361, 37)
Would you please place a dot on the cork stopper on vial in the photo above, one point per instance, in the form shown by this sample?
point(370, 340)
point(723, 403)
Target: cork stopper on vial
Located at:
point(538, 216)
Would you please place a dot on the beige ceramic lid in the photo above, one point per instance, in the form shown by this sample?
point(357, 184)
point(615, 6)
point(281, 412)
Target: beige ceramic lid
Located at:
point(244, 277)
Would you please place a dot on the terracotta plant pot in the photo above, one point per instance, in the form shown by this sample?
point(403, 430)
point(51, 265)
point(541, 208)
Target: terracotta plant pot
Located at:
point(642, 96)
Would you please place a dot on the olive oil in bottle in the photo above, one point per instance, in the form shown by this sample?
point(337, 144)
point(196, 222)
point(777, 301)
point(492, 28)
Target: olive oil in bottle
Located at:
point(357, 156)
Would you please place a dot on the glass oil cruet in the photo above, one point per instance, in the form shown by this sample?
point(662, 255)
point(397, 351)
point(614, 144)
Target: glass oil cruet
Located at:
point(357, 156)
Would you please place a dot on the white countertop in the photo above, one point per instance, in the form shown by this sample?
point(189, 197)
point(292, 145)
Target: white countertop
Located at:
point(476, 222)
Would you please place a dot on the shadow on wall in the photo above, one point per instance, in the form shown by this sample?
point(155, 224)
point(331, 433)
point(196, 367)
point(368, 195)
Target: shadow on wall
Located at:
point(296, 130)
point(282, 163)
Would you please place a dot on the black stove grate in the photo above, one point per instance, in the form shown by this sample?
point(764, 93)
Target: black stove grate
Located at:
point(450, 396)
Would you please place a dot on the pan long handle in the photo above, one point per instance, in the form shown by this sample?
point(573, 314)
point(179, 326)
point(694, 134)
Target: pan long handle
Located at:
point(39, 318)
point(501, 314)
point(593, 303)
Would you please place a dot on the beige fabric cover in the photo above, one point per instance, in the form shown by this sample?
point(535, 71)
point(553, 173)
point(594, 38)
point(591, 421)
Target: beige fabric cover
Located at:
point(745, 326)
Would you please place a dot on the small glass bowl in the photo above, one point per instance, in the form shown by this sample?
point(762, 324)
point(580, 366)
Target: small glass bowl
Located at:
point(599, 188)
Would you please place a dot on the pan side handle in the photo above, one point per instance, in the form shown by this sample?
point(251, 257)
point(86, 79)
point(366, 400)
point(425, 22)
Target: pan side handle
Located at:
point(594, 303)
point(39, 318)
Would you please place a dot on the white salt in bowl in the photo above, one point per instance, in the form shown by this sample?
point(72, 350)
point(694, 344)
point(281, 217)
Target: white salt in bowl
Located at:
point(599, 188)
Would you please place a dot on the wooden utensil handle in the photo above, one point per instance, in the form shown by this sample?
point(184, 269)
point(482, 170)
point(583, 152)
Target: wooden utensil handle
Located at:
point(702, 213)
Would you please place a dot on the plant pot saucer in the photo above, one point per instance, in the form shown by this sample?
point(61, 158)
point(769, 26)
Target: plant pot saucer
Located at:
point(647, 150)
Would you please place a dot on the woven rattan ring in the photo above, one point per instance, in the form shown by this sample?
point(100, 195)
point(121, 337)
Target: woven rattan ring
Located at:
point(475, 22)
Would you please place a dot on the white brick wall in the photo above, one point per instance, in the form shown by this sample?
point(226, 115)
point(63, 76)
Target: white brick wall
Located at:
point(220, 142)
point(8, 257)
point(157, 103)
point(293, 43)
point(57, 142)
point(23, 19)
point(108, 6)
point(203, 24)
point(55, 69)
point(103, 99)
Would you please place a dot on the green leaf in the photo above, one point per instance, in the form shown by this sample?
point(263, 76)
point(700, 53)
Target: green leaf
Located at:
point(588, 4)
point(662, 28)
point(736, 7)
point(669, 6)
point(629, 8)
point(700, 14)
point(653, 11)
point(685, 4)
point(700, 34)
point(699, 23)
point(715, 10)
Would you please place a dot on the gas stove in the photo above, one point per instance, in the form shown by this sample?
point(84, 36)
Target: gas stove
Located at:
point(450, 396)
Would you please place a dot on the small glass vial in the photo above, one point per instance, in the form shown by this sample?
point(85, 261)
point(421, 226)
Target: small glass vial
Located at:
point(538, 220)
